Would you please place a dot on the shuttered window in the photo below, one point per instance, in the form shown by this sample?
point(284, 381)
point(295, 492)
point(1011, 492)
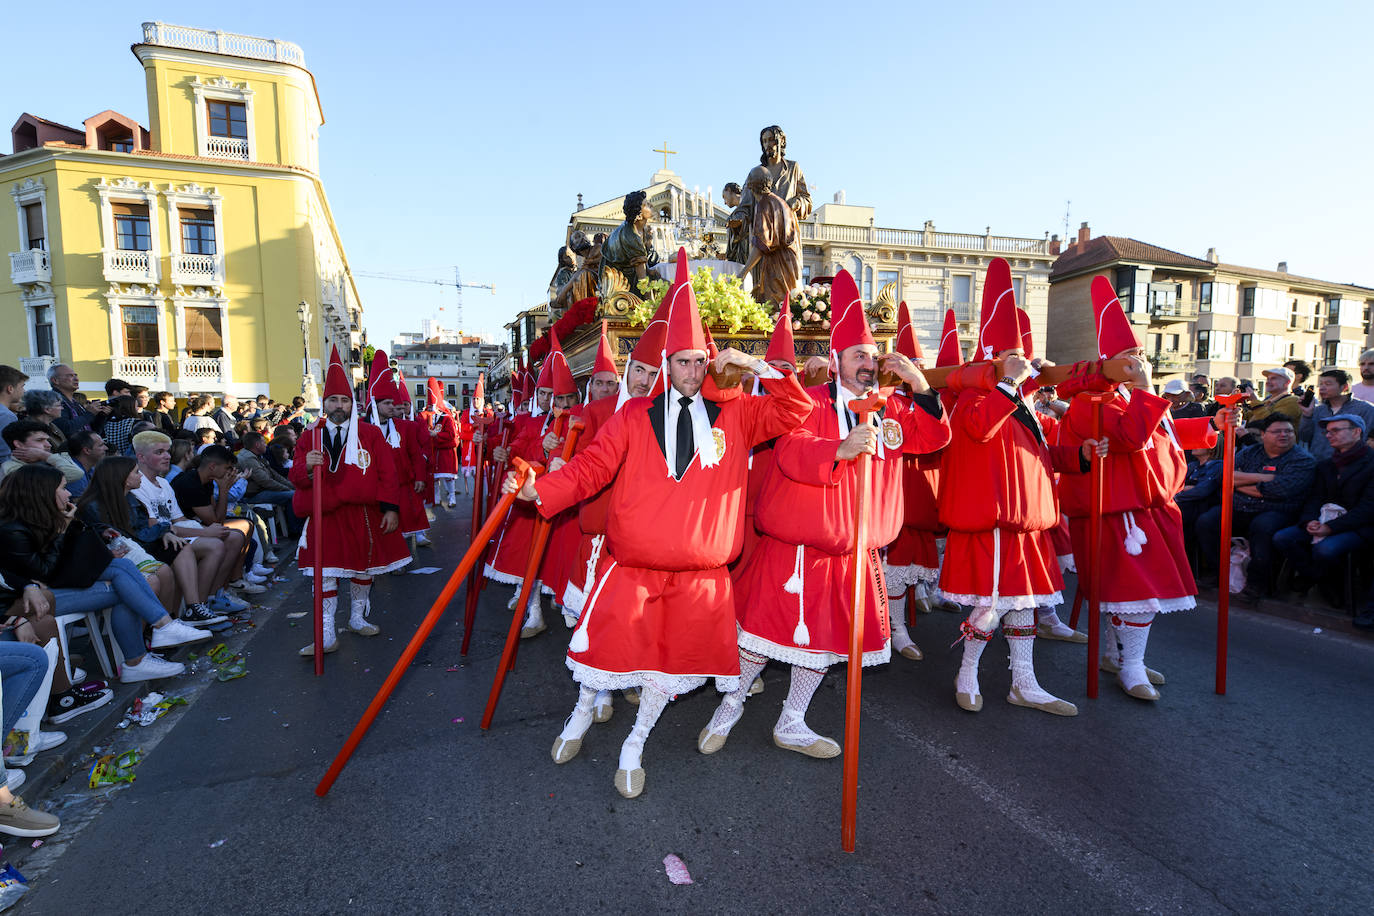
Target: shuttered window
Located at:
point(204, 336)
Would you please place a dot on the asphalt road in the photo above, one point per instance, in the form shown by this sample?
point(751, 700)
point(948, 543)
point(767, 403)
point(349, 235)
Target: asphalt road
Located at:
point(1255, 802)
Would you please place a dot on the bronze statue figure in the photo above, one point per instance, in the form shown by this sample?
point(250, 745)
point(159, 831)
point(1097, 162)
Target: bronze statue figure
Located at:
point(774, 242)
point(785, 174)
point(564, 272)
point(736, 226)
point(583, 282)
point(630, 249)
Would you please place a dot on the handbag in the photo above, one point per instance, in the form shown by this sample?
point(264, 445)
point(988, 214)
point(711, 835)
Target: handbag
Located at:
point(81, 559)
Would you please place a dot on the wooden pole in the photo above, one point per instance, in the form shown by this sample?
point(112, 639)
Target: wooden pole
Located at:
point(495, 474)
point(1228, 492)
point(537, 547)
point(864, 470)
point(470, 608)
point(1094, 559)
point(317, 535)
point(426, 627)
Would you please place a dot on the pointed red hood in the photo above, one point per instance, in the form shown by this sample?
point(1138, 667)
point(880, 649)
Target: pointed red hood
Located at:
point(684, 319)
point(997, 327)
point(335, 378)
point(850, 324)
point(379, 383)
point(907, 344)
point(1114, 331)
point(605, 358)
point(560, 373)
point(781, 345)
point(950, 353)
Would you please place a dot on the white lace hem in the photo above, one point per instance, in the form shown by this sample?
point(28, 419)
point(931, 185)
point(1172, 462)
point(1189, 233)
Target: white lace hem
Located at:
point(671, 684)
point(807, 658)
point(1006, 602)
point(495, 575)
point(574, 599)
point(337, 573)
point(1149, 605)
point(1067, 563)
point(899, 578)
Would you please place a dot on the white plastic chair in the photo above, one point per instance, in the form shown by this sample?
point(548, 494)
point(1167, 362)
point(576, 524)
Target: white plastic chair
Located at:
point(91, 621)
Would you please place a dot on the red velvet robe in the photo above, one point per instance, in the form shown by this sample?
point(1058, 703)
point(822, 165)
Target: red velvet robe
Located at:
point(445, 445)
point(409, 461)
point(807, 505)
point(591, 514)
point(913, 556)
point(512, 552)
point(353, 503)
point(662, 608)
point(997, 497)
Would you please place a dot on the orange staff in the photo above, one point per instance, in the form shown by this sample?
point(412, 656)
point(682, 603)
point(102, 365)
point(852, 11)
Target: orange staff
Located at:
point(317, 519)
point(470, 609)
point(1094, 558)
point(850, 800)
point(1228, 483)
point(426, 627)
point(542, 529)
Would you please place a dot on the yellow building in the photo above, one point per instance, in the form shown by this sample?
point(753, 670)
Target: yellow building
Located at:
point(179, 256)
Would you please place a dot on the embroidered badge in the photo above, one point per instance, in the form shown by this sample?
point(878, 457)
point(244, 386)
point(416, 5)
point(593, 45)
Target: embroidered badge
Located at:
point(892, 433)
point(364, 460)
point(718, 436)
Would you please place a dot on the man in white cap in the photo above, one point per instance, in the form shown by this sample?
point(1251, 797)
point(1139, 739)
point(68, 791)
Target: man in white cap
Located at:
point(1278, 399)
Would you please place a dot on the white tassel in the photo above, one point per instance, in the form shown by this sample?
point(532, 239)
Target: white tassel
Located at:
point(796, 585)
point(579, 641)
point(801, 635)
point(1135, 537)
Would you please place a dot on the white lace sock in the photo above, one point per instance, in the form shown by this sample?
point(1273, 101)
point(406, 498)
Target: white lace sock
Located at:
point(896, 610)
point(581, 719)
point(330, 604)
point(534, 608)
point(1109, 648)
point(652, 702)
point(799, 694)
point(1019, 629)
point(1134, 632)
point(361, 603)
point(1046, 616)
point(975, 641)
point(727, 713)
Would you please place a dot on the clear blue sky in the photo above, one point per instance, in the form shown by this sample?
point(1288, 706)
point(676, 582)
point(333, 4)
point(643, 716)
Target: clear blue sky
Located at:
point(462, 133)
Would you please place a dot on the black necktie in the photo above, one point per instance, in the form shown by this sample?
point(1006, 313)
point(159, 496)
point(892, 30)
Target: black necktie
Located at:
point(336, 446)
point(685, 448)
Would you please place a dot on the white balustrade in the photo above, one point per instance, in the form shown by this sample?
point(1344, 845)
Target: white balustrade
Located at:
point(201, 370)
point(226, 147)
point(141, 370)
point(218, 42)
point(129, 266)
point(197, 270)
point(32, 266)
point(914, 238)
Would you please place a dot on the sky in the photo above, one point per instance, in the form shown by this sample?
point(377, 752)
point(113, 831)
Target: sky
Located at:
point(459, 134)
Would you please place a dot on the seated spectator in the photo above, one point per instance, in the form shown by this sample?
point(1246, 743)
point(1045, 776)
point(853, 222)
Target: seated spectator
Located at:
point(1272, 480)
point(109, 503)
point(11, 400)
point(1317, 544)
point(46, 407)
point(1278, 399)
point(183, 452)
point(260, 425)
point(213, 561)
point(29, 444)
point(118, 428)
point(1181, 400)
point(164, 402)
point(225, 416)
point(142, 399)
point(207, 436)
point(262, 405)
point(117, 388)
point(22, 669)
point(86, 448)
point(297, 412)
point(1224, 385)
point(1201, 486)
point(266, 485)
point(198, 413)
point(76, 414)
point(42, 546)
point(1333, 391)
point(202, 493)
point(1364, 388)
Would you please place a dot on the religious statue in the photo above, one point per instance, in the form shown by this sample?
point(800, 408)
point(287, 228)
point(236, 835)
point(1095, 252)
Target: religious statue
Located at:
point(564, 273)
point(582, 283)
point(774, 242)
point(736, 226)
point(786, 175)
point(630, 249)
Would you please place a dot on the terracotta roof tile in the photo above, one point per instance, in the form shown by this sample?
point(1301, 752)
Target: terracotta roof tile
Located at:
point(1107, 248)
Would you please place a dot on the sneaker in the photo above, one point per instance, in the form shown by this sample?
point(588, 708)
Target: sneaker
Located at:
point(250, 588)
point(64, 707)
point(265, 572)
point(94, 686)
point(39, 741)
point(78, 675)
point(226, 603)
point(254, 578)
point(198, 615)
point(151, 668)
point(273, 559)
point(177, 633)
point(14, 778)
point(18, 819)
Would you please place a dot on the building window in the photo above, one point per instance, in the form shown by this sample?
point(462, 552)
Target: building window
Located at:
point(1293, 316)
point(419, 391)
point(204, 333)
point(1018, 290)
point(890, 276)
point(33, 228)
point(1245, 348)
point(1125, 288)
point(1364, 317)
point(1204, 339)
point(806, 275)
point(1333, 311)
point(1247, 301)
point(227, 119)
point(962, 289)
point(140, 331)
point(1204, 296)
point(1330, 353)
point(452, 390)
point(1314, 323)
point(1173, 342)
point(44, 336)
point(868, 284)
point(197, 232)
point(131, 227)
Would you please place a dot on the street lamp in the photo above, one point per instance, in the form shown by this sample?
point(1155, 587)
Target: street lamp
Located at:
point(308, 390)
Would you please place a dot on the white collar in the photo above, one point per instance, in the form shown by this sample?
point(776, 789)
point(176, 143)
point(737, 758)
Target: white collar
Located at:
point(842, 398)
point(702, 436)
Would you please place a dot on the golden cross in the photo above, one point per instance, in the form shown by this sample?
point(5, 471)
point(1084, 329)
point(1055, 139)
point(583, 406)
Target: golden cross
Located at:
point(666, 153)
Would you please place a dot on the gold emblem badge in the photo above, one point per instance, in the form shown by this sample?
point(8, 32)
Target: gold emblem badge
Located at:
point(364, 459)
point(892, 433)
point(718, 436)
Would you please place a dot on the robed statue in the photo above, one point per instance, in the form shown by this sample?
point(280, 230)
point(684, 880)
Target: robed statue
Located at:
point(630, 250)
point(774, 242)
point(784, 174)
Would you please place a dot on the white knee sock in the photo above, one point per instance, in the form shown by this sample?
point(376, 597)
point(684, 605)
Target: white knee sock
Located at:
point(652, 702)
point(1134, 632)
point(330, 607)
point(1107, 633)
point(1019, 629)
point(750, 665)
point(975, 641)
point(581, 719)
point(896, 607)
point(362, 590)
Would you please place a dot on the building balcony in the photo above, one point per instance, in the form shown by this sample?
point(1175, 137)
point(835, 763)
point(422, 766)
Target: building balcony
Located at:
point(921, 238)
point(1172, 312)
point(197, 270)
point(193, 39)
point(32, 266)
point(226, 148)
point(130, 266)
point(140, 370)
point(1171, 361)
point(200, 373)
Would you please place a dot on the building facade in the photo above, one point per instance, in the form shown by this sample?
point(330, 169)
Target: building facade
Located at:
point(454, 363)
point(179, 256)
point(1199, 315)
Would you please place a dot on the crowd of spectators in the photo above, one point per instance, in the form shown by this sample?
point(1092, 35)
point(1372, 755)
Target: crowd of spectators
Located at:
point(129, 507)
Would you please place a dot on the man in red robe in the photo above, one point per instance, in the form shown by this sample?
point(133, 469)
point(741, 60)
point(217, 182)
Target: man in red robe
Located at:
point(997, 498)
point(661, 615)
point(360, 530)
point(793, 598)
point(386, 411)
point(1144, 565)
point(443, 437)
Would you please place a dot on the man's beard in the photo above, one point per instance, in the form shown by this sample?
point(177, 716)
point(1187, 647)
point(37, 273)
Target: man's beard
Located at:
point(338, 417)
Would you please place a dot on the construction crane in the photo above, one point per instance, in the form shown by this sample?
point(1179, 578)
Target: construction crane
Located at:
point(457, 283)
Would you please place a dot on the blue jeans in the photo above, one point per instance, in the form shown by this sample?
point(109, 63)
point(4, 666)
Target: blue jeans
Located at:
point(1258, 527)
point(22, 666)
point(1315, 561)
point(121, 587)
